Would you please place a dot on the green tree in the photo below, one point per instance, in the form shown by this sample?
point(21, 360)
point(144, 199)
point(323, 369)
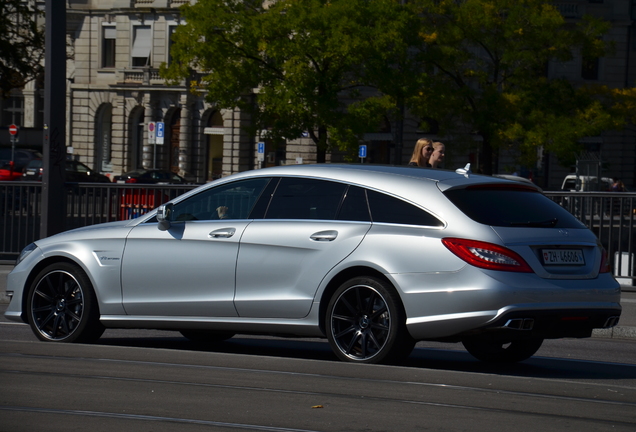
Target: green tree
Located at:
point(487, 71)
point(21, 45)
point(300, 58)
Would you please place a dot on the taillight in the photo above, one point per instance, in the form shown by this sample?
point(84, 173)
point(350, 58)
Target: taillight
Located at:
point(487, 255)
point(605, 265)
point(131, 180)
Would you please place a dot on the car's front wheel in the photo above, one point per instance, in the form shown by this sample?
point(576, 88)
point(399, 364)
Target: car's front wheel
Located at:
point(497, 351)
point(366, 322)
point(62, 306)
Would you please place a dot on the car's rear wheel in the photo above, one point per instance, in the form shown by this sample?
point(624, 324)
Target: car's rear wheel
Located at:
point(496, 351)
point(62, 306)
point(366, 322)
point(206, 336)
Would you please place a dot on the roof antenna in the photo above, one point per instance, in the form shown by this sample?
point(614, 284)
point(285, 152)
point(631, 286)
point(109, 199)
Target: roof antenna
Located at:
point(466, 172)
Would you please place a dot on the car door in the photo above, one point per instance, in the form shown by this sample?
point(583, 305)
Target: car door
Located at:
point(284, 256)
point(189, 269)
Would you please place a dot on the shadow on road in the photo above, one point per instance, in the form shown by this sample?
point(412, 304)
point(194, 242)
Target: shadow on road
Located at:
point(452, 359)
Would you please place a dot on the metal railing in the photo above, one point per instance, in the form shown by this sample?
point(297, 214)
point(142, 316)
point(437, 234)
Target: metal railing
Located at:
point(86, 204)
point(610, 216)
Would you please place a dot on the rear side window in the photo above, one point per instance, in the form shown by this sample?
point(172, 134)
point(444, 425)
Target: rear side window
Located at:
point(354, 206)
point(510, 207)
point(387, 209)
point(300, 198)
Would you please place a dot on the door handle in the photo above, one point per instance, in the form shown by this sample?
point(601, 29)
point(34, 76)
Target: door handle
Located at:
point(222, 233)
point(324, 235)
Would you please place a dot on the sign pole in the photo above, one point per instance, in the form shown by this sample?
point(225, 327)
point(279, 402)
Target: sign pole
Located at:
point(54, 146)
point(13, 130)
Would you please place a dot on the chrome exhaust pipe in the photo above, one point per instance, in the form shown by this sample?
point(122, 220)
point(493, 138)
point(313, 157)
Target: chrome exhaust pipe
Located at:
point(520, 324)
point(611, 322)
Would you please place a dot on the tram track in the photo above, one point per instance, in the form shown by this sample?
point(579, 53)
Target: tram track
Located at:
point(334, 390)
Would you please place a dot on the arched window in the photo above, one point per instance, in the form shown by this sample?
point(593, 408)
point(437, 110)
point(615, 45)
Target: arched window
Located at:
point(173, 135)
point(214, 132)
point(136, 138)
point(103, 138)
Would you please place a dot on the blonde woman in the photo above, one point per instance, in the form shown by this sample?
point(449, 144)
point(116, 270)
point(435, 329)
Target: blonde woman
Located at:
point(437, 156)
point(422, 153)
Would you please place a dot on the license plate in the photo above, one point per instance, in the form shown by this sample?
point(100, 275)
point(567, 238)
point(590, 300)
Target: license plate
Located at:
point(563, 257)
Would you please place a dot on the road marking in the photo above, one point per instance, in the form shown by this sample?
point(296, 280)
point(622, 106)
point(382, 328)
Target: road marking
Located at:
point(12, 323)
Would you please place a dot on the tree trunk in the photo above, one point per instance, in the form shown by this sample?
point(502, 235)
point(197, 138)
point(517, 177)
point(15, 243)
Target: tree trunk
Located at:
point(486, 155)
point(321, 155)
point(321, 146)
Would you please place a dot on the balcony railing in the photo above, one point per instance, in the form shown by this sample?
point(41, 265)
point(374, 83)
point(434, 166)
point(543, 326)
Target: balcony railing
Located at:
point(144, 76)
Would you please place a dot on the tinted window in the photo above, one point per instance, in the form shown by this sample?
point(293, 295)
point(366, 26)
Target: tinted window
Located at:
point(354, 206)
point(298, 198)
point(78, 167)
point(387, 209)
point(507, 207)
point(229, 201)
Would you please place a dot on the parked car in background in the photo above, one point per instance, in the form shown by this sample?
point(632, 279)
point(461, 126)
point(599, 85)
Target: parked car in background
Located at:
point(586, 183)
point(21, 158)
point(75, 172)
point(150, 177)
point(373, 258)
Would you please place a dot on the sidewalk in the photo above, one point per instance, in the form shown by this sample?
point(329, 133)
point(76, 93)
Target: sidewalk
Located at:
point(626, 328)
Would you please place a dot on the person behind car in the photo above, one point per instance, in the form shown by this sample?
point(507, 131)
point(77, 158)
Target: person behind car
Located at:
point(437, 156)
point(618, 185)
point(422, 153)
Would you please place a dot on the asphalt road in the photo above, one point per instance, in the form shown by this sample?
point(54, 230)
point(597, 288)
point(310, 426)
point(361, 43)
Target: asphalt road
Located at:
point(134, 380)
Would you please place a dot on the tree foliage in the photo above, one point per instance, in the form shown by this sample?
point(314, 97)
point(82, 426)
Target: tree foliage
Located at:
point(488, 62)
point(332, 68)
point(21, 45)
point(302, 59)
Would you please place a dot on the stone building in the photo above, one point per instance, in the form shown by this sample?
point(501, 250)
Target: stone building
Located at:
point(115, 92)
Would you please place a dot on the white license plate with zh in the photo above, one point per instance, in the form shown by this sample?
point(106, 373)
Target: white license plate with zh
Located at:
point(563, 257)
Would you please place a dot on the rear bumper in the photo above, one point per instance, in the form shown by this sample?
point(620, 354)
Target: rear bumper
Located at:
point(518, 322)
point(548, 324)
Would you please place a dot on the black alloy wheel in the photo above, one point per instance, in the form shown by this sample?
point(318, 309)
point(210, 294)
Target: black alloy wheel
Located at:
point(366, 322)
point(62, 306)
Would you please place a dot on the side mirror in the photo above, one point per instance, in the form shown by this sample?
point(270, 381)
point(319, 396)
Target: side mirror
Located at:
point(164, 214)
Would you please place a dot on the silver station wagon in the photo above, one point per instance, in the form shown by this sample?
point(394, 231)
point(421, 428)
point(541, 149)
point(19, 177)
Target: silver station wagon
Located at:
point(374, 258)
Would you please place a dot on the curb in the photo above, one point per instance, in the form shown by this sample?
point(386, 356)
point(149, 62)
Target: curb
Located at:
point(617, 332)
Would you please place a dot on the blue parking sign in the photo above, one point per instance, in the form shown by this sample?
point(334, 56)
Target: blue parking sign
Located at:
point(362, 151)
point(160, 132)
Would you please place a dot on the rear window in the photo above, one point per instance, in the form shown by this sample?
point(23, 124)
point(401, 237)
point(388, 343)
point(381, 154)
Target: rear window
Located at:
point(510, 207)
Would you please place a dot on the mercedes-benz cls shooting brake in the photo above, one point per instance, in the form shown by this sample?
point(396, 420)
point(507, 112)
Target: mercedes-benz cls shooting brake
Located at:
point(374, 258)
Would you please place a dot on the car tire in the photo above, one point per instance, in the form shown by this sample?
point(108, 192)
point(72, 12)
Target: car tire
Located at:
point(62, 306)
point(206, 336)
point(366, 322)
point(497, 351)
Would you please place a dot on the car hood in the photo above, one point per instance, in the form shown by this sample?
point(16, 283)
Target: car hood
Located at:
point(118, 229)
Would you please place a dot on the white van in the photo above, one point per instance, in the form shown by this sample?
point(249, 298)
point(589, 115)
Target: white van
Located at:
point(586, 183)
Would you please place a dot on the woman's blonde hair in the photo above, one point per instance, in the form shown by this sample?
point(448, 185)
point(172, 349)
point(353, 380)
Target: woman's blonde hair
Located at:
point(417, 156)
